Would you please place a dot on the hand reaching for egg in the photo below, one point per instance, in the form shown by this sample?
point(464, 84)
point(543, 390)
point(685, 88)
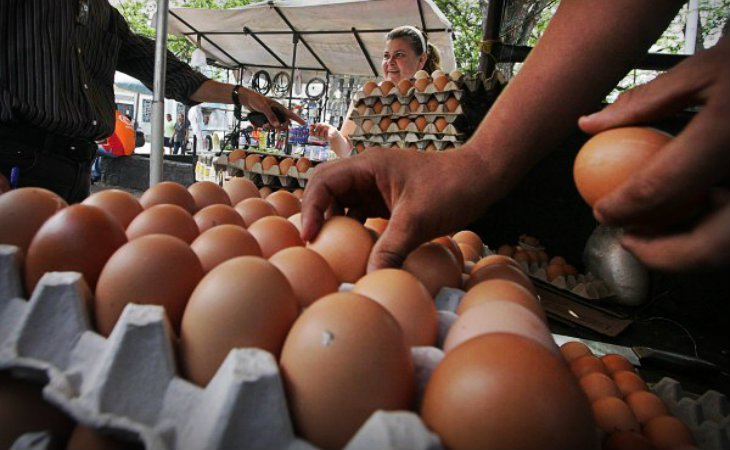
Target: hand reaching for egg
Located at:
point(409, 187)
point(689, 166)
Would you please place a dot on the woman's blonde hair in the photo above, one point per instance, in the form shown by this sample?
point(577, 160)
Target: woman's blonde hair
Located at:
point(416, 39)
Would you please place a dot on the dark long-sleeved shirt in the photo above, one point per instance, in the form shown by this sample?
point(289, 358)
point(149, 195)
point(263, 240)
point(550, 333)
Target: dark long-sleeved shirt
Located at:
point(57, 64)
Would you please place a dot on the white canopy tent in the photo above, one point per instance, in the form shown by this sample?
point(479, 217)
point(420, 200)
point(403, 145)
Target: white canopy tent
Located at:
point(316, 36)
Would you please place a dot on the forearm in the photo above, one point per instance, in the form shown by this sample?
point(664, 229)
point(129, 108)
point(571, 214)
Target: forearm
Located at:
point(587, 48)
point(340, 145)
point(216, 92)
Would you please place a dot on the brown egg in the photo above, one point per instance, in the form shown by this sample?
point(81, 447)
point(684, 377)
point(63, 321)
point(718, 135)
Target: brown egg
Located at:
point(482, 396)
point(151, 270)
point(574, 350)
point(222, 243)
point(265, 191)
point(646, 405)
point(296, 219)
point(432, 104)
point(23, 211)
point(628, 382)
point(78, 238)
point(471, 239)
point(413, 105)
point(85, 438)
point(431, 147)
point(377, 224)
point(499, 289)
point(252, 209)
point(440, 82)
point(298, 193)
point(244, 302)
point(404, 86)
point(368, 87)
point(521, 257)
point(403, 123)
point(501, 271)
point(251, 160)
point(435, 266)
point(616, 363)
point(469, 253)
point(453, 247)
point(421, 123)
point(584, 365)
point(554, 271)
point(491, 260)
point(361, 108)
point(406, 299)
point(274, 233)
point(421, 84)
point(303, 165)
point(609, 158)
point(440, 124)
point(164, 219)
point(215, 215)
point(285, 203)
point(627, 440)
point(285, 164)
point(345, 244)
point(395, 106)
point(206, 193)
point(308, 273)
point(367, 125)
point(384, 123)
point(386, 86)
point(236, 155)
point(499, 316)
point(168, 192)
point(557, 260)
point(668, 433)
point(570, 270)
point(613, 415)
point(332, 388)
point(239, 189)
point(268, 162)
point(377, 107)
point(24, 410)
point(452, 104)
point(121, 205)
point(598, 385)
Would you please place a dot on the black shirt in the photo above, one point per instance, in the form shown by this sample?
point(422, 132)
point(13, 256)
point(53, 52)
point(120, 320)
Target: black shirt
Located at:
point(57, 64)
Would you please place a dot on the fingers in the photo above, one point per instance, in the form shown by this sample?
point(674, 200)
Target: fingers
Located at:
point(396, 242)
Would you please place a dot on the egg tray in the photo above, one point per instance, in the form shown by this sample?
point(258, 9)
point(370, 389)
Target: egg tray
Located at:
point(451, 88)
point(404, 111)
point(127, 385)
point(290, 178)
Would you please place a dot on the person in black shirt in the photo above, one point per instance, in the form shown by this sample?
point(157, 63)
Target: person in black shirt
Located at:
point(57, 64)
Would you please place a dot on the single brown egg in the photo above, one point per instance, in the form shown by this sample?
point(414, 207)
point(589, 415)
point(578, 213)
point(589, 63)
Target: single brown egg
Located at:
point(168, 192)
point(206, 193)
point(584, 365)
point(452, 104)
point(440, 124)
point(421, 123)
point(403, 123)
point(361, 108)
point(344, 358)
point(570, 270)
point(431, 147)
point(395, 106)
point(345, 244)
point(598, 385)
point(368, 87)
point(265, 191)
point(243, 302)
point(494, 259)
point(422, 84)
point(609, 158)
point(557, 260)
point(377, 107)
point(432, 104)
point(215, 215)
point(222, 243)
point(239, 189)
point(413, 105)
point(274, 233)
point(554, 271)
point(471, 239)
point(121, 205)
point(164, 219)
point(298, 193)
point(574, 350)
point(500, 289)
point(453, 247)
point(151, 270)
point(613, 415)
point(236, 155)
point(386, 86)
point(78, 238)
point(404, 86)
point(296, 219)
point(285, 203)
point(367, 125)
point(303, 165)
point(440, 82)
point(435, 266)
point(252, 209)
point(406, 299)
point(376, 224)
point(646, 405)
point(284, 165)
point(23, 211)
point(251, 160)
point(469, 253)
point(628, 382)
point(385, 123)
point(309, 275)
point(268, 162)
point(482, 395)
point(501, 271)
point(668, 433)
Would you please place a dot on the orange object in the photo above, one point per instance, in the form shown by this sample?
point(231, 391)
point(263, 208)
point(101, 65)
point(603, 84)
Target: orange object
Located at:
point(121, 142)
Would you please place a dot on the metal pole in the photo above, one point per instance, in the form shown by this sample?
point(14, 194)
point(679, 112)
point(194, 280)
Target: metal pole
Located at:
point(491, 25)
point(158, 96)
point(690, 35)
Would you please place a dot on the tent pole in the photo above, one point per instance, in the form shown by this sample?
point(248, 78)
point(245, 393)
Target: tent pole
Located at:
point(158, 97)
point(295, 41)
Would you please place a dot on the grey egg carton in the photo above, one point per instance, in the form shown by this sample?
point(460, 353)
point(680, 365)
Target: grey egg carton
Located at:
point(707, 415)
point(127, 384)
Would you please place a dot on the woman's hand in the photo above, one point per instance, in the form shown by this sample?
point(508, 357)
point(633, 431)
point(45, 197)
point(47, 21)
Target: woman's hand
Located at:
point(691, 166)
point(324, 131)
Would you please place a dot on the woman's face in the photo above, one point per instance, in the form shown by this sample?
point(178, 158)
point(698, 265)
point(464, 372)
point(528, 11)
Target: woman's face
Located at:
point(400, 60)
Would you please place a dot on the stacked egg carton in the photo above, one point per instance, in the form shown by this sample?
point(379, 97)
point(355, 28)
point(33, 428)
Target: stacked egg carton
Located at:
point(126, 385)
point(707, 416)
point(421, 113)
point(270, 170)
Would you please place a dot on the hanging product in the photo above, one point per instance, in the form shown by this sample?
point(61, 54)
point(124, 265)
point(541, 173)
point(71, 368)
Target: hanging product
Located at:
point(280, 85)
point(261, 82)
point(297, 82)
point(315, 88)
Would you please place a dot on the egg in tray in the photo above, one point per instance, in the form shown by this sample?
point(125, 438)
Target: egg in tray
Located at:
point(267, 169)
point(243, 336)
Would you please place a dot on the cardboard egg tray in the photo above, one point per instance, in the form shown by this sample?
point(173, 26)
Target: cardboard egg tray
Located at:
point(267, 177)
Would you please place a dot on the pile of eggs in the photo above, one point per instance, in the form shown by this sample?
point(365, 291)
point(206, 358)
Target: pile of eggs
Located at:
point(266, 169)
point(240, 276)
point(415, 113)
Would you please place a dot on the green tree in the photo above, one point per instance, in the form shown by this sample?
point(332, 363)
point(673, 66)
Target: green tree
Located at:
point(466, 18)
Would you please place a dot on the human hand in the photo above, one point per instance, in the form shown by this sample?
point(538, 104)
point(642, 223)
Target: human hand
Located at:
point(691, 166)
point(425, 195)
point(257, 102)
point(323, 131)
